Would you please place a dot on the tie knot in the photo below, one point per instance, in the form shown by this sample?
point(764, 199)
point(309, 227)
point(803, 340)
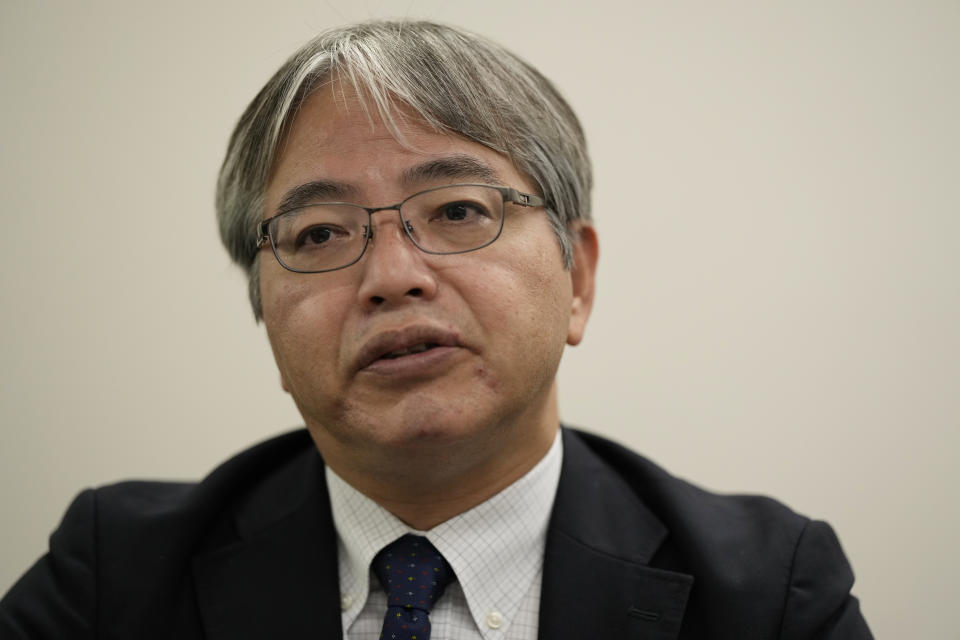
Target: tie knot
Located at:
point(412, 572)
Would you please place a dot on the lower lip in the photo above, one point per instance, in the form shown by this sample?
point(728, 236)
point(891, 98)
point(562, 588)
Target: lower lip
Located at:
point(414, 365)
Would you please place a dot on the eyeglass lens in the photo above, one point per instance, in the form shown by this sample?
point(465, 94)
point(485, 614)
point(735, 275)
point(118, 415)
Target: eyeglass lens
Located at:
point(450, 219)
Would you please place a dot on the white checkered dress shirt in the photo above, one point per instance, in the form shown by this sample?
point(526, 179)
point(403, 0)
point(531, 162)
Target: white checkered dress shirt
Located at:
point(495, 549)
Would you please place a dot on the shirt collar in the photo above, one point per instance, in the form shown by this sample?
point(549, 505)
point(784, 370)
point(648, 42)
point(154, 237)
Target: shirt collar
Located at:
point(495, 548)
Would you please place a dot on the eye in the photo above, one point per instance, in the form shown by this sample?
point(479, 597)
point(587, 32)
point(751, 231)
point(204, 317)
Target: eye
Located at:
point(461, 212)
point(316, 236)
point(456, 211)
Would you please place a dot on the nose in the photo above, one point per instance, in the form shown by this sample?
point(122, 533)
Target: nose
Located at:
point(394, 270)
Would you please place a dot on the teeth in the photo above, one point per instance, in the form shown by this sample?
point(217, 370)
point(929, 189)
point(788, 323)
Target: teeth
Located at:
point(417, 348)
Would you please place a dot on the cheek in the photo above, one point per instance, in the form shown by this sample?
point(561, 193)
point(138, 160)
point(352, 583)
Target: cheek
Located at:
point(525, 295)
point(540, 272)
point(303, 325)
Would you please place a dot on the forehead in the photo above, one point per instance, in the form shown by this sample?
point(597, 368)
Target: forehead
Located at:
point(334, 138)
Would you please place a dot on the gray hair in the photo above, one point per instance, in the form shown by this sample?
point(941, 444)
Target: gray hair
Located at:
point(456, 81)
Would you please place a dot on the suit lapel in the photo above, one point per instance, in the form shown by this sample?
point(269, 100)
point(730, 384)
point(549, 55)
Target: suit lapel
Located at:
point(280, 579)
point(277, 575)
point(596, 578)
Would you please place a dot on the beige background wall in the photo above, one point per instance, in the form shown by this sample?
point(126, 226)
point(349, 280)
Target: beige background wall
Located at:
point(777, 196)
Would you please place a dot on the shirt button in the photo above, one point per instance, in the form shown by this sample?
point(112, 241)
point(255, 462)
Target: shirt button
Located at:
point(345, 601)
point(494, 619)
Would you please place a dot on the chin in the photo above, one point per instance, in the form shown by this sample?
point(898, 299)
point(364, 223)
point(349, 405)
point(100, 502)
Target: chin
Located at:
point(432, 422)
point(416, 421)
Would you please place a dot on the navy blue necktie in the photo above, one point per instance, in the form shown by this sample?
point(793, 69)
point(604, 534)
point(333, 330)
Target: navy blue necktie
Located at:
point(414, 575)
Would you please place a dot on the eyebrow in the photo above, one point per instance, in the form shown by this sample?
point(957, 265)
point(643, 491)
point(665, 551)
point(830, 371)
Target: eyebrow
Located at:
point(314, 192)
point(454, 167)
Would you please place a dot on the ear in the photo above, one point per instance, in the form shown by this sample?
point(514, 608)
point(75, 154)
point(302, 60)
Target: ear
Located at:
point(586, 250)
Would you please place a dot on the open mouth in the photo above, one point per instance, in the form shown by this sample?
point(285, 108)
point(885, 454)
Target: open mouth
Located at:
point(417, 348)
point(415, 342)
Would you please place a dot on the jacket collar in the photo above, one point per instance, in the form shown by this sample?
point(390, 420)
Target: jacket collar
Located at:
point(278, 577)
point(276, 574)
point(596, 578)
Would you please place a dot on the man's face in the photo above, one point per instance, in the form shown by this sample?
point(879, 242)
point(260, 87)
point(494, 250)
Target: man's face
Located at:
point(500, 315)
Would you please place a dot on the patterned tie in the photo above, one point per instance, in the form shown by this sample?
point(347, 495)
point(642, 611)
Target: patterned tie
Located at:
point(414, 575)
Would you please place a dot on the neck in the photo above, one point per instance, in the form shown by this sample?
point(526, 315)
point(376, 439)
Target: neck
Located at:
point(446, 480)
point(424, 506)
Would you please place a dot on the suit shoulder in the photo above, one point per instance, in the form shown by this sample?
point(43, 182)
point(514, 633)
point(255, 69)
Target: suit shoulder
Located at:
point(185, 513)
point(734, 541)
point(756, 563)
point(678, 501)
point(126, 549)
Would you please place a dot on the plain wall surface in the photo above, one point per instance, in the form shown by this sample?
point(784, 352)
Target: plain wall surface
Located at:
point(778, 202)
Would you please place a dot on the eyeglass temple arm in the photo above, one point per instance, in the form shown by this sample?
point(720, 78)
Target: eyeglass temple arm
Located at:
point(523, 199)
point(510, 195)
point(262, 236)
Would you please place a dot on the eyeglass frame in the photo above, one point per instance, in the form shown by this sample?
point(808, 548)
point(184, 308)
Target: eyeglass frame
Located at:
point(509, 194)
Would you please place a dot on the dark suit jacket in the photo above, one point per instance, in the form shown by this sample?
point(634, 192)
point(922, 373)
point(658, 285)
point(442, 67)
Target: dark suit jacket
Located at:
point(250, 552)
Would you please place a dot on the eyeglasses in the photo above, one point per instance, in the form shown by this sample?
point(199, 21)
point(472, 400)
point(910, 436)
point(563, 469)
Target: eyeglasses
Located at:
point(327, 236)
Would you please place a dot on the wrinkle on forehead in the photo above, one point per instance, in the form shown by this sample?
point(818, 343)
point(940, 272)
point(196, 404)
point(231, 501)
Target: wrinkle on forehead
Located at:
point(386, 118)
point(373, 173)
point(391, 118)
point(457, 167)
point(331, 110)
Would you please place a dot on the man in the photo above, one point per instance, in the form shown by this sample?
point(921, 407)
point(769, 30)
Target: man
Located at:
point(411, 204)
